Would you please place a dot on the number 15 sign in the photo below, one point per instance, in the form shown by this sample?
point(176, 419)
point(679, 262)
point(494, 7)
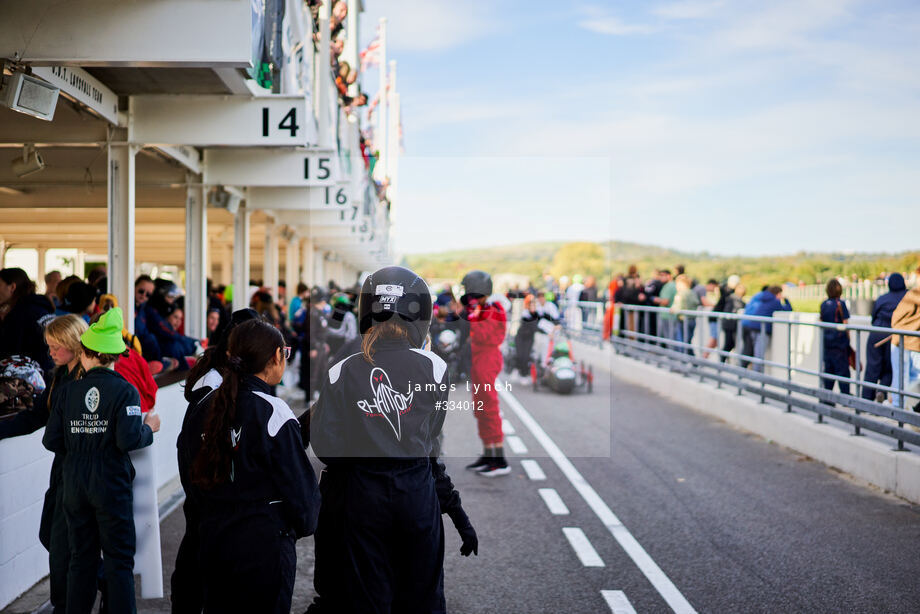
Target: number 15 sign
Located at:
point(270, 168)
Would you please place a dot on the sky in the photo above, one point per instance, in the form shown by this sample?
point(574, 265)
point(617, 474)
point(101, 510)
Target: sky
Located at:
point(737, 127)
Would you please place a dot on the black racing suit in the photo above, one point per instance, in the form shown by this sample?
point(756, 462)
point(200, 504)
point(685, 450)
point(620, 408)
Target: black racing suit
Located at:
point(187, 582)
point(97, 420)
point(52, 532)
point(380, 540)
point(249, 523)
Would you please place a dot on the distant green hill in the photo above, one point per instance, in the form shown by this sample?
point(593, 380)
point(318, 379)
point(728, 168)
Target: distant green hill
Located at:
point(614, 257)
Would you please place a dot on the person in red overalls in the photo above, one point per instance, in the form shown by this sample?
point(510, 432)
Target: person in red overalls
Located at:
point(487, 332)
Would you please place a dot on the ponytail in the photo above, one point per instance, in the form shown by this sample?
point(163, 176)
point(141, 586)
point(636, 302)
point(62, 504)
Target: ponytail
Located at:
point(388, 329)
point(252, 345)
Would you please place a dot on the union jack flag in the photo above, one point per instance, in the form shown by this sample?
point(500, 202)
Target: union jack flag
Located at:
point(370, 57)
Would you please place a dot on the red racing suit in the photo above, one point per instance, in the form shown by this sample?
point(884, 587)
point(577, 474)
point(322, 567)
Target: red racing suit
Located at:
point(487, 332)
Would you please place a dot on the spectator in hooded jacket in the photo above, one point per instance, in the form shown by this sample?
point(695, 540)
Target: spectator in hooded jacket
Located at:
point(22, 313)
point(172, 344)
point(755, 335)
point(878, 352)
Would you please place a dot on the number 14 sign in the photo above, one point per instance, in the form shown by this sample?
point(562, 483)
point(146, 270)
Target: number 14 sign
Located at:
point(228, 121)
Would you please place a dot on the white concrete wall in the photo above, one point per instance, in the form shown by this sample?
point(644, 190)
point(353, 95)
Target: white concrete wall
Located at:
point(25, 467)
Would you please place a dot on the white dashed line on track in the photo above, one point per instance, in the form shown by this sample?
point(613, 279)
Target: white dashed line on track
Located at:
point(618, 602)
point(516, 444)
point(668, 591)
point(582, 547)
point(553, 501)
point(507, 427)
point(533, 470)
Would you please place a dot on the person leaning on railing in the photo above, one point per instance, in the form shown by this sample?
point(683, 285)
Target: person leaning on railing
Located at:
point(906, 317)
point(878, 346)
point(836, 342)
point(756, 334)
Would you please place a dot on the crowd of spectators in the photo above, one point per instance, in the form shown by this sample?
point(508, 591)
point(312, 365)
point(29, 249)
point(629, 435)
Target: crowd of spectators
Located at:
point(159, 343)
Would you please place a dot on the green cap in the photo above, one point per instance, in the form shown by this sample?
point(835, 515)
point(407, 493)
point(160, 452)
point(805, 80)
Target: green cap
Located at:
point(105, 335)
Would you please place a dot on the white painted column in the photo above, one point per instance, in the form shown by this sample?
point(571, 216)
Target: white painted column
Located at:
point(40, 278)
point(319, 274)
point(350, 52)
point(308, 275)
point(121, 228)
point(241, 259)
point(226, 265)
point(270, 259)
point(392, 120)
point(324, 78)
point(292, 268)
point(380, 132)
point(196, 255)
point(79, 264)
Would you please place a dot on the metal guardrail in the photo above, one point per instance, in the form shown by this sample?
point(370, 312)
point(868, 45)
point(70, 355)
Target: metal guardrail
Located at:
point(584, 321)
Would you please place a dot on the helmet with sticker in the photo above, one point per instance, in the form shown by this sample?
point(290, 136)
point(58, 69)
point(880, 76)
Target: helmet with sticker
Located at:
point(398, 294)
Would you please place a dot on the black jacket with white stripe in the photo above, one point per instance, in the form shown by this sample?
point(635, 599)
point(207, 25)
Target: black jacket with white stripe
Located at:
point(393, 409)
point(270, 470)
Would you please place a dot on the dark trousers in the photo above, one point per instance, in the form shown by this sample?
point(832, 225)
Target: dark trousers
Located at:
point(186, 583)
point(728, 343)
point(523, 346)
point(878, 366)
point(836, 362)
point(248, 562)
point(53, 535)
point(100, 520)
point(379, 543)
point(748, 338)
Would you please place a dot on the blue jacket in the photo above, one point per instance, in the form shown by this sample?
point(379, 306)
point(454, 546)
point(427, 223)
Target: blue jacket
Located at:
point(834, 310)
point(886, 304)
point(150, 347)
point(764, 304)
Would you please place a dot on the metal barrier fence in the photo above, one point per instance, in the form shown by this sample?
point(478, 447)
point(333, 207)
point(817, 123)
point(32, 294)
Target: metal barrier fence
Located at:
point(755, 373)
point(865, 289)
point(656, 334)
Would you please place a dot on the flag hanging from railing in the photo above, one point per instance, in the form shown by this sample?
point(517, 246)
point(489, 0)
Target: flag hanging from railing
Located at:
point(370, 57)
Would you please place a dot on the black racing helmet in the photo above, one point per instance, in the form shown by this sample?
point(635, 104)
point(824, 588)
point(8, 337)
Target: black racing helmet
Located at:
point(476, 284)
point(396, 290)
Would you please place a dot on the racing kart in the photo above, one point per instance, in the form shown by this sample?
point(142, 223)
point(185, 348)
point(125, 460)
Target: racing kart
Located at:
point(558, 370)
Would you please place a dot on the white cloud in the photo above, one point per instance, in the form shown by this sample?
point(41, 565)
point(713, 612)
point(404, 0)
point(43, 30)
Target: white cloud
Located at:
point(440, 108)
point(781, 24)
point(599, 19)
point(429, 25)
point(688, 9)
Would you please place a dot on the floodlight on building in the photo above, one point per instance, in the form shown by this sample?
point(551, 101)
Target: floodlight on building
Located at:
point(30, 95)
point(29, 162)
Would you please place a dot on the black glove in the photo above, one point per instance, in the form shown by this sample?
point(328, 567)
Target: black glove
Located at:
point(467, 533)
point(470, 541)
